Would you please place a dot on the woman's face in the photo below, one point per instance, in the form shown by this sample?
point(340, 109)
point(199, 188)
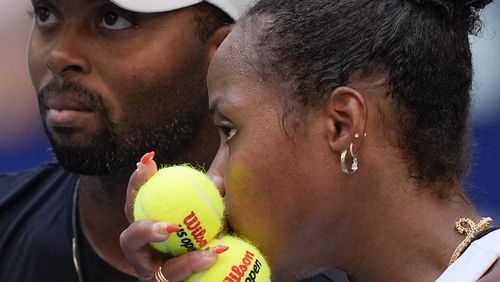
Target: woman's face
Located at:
point(276, 170)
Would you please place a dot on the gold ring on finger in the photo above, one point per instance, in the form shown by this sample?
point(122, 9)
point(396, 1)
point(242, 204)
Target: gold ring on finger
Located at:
point(159, 276)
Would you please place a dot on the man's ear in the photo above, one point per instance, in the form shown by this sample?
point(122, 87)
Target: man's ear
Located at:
point(213, 42)
point(347, 116)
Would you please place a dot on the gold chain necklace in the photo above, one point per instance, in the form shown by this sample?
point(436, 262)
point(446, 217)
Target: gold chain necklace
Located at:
point(74, 240)
point(470, 229)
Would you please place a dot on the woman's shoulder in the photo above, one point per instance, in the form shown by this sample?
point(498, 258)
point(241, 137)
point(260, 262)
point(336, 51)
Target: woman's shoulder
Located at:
point(479, 262)
point(493, 274)
point(491, 244)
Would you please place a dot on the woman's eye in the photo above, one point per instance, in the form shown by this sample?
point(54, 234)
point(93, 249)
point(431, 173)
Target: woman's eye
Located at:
point(114, 21)
point(229, 132)
point(45, 16)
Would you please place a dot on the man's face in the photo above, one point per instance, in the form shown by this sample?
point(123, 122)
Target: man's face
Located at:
point(113, 84)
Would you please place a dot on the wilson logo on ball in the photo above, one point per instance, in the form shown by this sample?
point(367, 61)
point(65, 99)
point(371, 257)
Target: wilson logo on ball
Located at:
point(239, 272)
point(193, 224)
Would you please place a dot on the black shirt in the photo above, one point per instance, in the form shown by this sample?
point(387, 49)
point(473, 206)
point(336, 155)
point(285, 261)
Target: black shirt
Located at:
point(36, 230)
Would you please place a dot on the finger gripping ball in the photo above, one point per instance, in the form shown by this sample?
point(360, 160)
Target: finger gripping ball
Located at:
point(185, 196)
point(242, 262)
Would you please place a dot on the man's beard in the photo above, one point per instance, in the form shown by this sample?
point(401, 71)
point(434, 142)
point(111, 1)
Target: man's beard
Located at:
point(147, 125)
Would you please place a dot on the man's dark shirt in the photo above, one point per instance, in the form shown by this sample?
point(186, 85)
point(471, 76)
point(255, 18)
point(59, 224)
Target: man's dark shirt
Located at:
point(36, 230)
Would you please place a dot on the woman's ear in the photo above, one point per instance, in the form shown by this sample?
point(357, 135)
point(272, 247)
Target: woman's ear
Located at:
point(213, 43)
point(347, 116)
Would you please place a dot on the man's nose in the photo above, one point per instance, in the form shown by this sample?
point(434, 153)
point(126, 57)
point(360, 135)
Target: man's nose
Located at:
point(68, 54)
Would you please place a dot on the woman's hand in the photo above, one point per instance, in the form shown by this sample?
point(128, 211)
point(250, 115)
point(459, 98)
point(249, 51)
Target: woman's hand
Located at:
point(135, 239)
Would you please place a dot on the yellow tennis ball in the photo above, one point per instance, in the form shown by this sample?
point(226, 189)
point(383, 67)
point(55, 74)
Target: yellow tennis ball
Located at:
point(241, 262)
point(185, 196)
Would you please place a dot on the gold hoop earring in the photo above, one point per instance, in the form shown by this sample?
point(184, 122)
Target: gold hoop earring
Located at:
point(354, 156)
point(343, 165)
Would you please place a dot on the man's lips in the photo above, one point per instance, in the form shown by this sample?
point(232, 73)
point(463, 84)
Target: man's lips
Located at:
point(67, 118)
point(63, 103)
point(66, 112)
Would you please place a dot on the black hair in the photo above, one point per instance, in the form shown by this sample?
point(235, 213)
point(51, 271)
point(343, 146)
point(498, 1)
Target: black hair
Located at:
point(209, 18)
point(420, 47)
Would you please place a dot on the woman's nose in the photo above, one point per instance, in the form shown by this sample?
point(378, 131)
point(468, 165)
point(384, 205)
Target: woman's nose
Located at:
point(217, 168)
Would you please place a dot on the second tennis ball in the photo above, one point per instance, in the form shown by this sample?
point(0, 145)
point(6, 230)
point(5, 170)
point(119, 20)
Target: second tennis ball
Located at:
point(185, 196)
point(241, 262)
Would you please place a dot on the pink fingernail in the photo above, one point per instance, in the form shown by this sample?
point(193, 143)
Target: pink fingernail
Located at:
point(220, 249)
point(147, 158)
point(164, 228)
point(173, 228)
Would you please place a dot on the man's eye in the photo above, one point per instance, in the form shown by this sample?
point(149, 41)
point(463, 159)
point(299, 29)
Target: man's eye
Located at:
point(45, 17)
point(113, 21)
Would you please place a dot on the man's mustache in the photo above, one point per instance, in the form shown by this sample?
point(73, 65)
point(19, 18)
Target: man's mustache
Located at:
point(70, 89)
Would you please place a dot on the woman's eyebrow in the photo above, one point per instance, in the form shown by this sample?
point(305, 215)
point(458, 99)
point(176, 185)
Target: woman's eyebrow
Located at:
point(216, 103)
